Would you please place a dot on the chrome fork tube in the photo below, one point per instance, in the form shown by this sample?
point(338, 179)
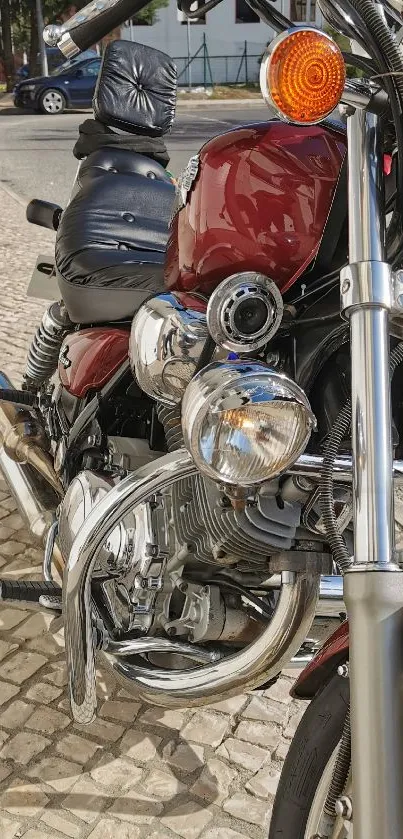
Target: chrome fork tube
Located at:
point(373, 587)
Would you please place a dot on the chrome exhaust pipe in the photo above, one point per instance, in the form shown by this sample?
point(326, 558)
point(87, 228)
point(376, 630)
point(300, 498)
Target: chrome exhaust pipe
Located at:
point(26, 491)
point(23, 440)
point(27, 469)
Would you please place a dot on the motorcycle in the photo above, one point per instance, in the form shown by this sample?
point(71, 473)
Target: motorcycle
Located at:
point(193, 437)
point(204, 582)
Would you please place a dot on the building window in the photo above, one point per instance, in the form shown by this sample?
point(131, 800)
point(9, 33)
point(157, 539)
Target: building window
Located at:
point(303, 11)
point(244, 14)
point(196, 20)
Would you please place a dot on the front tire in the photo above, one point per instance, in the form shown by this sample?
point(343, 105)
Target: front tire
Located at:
point(315, 740)
point(52, 102)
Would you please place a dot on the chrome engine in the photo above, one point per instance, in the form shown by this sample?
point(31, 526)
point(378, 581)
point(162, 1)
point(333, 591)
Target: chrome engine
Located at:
point(152, 573)
point(225, 532)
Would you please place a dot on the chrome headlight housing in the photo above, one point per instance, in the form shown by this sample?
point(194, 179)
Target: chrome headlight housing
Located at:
point(244, 312)
point(166, 341)
point(244, 423)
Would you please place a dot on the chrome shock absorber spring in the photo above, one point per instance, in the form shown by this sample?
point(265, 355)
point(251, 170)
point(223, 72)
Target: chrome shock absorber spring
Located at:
point(170, 419)
point(45, 347)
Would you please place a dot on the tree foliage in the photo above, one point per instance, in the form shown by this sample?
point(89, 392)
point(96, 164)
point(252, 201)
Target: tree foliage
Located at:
point(19, 25)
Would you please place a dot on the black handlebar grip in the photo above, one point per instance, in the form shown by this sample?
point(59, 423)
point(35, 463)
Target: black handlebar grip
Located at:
point(44, 213)
point(92, 23)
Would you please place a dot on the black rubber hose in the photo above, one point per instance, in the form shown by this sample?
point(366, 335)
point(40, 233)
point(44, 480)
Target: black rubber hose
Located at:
point(383, 38)
point(386, 51)
point(201, 11)
point(206, 355)
point(336, 540)
point(361, 63)
point(340, 428)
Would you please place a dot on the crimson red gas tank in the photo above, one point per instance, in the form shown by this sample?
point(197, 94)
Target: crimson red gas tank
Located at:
point(259, 202)
point(89, 358)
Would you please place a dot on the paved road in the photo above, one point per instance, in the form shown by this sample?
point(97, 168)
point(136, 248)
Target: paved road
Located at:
point(36, 151)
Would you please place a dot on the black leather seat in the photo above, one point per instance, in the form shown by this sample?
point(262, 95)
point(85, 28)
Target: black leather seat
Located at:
point(111, 241)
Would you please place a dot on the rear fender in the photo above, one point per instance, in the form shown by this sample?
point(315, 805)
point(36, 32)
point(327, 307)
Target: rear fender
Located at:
point(333, 653)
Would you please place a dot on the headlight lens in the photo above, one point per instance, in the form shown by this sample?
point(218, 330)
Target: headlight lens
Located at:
point(244, 423)
point(28, 88)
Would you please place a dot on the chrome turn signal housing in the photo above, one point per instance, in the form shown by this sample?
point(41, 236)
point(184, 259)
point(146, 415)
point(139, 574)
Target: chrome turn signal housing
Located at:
point(302, 75)
point(244, 423)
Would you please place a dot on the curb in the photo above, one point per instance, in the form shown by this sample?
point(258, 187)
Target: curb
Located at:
point(6, 101)
point(217, 103)
point(23, 202)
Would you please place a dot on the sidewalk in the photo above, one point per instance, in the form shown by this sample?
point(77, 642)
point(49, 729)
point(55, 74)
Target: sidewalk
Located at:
point(138, 771)
point(6, 101)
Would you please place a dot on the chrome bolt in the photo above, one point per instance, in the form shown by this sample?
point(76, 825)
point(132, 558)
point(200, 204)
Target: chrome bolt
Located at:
point(343, 671)
point(344, 807)
point(183, 587)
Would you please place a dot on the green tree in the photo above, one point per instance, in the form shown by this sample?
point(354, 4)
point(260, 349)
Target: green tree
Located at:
point(7, 42)
point(149, 13)
point(24, 23)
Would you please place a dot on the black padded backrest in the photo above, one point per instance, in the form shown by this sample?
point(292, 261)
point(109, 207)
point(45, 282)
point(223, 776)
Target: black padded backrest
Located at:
point(136, 89)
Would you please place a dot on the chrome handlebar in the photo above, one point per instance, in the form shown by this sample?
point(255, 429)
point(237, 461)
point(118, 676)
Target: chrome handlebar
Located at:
point(90, 25)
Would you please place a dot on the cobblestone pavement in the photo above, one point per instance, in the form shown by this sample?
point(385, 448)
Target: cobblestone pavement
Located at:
point(137, 771)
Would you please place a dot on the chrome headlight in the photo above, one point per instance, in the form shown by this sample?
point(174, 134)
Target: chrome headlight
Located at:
point(244, 423)
point(166, 342)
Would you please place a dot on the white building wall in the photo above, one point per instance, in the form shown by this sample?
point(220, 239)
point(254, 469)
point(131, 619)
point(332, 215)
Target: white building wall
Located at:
point(224, 37)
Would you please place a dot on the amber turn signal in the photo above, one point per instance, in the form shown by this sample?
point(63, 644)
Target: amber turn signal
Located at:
point(302, 75)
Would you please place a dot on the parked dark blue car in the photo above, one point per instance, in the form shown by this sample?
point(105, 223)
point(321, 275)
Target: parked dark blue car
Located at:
point(72, 85)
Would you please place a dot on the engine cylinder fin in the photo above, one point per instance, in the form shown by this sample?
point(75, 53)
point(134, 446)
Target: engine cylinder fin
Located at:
point(217, 532)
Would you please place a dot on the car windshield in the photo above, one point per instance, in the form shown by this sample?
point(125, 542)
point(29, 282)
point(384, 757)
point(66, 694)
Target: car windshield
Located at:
point(68, 65)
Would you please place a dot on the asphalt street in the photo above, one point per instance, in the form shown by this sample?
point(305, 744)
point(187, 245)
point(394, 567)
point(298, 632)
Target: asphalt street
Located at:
point(36, 159)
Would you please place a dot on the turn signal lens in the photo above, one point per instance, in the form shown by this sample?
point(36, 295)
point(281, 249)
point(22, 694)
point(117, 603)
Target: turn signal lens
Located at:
point(302, 75)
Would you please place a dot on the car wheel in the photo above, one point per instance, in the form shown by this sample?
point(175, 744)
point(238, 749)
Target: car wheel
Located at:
point(52, 102)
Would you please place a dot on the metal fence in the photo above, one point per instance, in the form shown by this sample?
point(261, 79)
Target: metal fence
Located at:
point(208, 70)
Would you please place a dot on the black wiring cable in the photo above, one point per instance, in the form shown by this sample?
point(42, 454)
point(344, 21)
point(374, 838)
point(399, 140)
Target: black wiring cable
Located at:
point(339, 430)
point(360, 62)
point(325, 282)
point(244, 592)
point(318, 319)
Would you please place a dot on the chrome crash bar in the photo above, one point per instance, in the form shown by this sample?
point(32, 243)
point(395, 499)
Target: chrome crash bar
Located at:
point(276, 646)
